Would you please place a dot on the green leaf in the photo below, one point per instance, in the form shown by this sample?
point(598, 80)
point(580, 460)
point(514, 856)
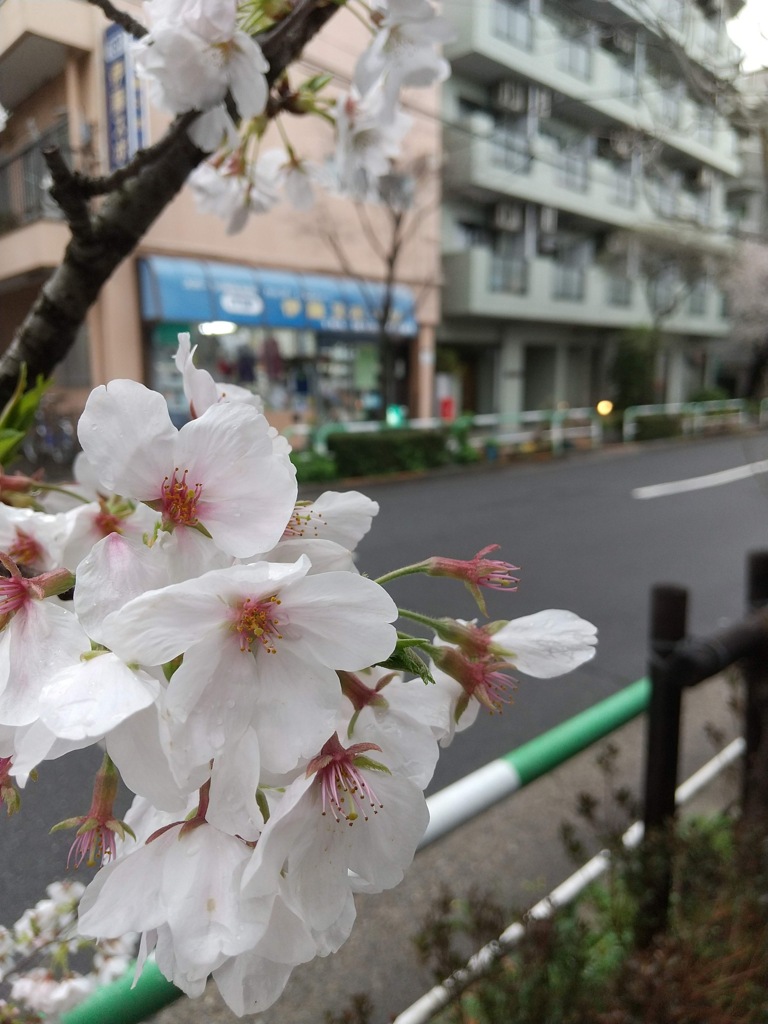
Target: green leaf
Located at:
point(19, 414)
point(405, 659)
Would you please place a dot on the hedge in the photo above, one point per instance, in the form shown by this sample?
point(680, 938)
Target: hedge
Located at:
point(389, 451)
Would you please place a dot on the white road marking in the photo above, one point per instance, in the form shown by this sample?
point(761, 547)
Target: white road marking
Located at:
point(698, 483)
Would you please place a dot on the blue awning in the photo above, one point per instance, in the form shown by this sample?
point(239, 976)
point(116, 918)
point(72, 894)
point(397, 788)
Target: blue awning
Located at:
point(196, 291)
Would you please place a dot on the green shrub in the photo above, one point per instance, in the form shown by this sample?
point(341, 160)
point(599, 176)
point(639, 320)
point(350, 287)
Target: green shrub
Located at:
point(313, 468)
point(388, 451)
point(709, 395)
point(650, 428)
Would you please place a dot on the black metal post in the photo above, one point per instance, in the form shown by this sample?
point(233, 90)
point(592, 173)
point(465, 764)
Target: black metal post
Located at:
point(755, 671)
point(669, 608)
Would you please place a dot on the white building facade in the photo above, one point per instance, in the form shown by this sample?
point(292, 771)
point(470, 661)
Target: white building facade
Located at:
point(587, 168)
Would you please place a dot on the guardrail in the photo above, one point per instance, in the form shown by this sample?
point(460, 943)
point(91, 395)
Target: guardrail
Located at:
point(548, 428)
point(695, 417)
point(551, 429)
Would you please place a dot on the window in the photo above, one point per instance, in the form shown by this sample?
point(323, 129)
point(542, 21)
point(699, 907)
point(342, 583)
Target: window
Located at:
point(569, 282)
point(619, 291)
point(697, 300)
point(623, 183)
point(575, 56)
point(512, 22)
point(509, 268)
point(573, 165)
point(509, 145)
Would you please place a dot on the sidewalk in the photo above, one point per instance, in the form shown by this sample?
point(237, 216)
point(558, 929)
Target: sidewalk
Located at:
point(512, 851)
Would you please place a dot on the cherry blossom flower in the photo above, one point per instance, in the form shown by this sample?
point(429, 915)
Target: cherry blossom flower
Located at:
point(200, 389)
point(261, 642)
point(38, 635)
point(347, 814)
point(343, 517)
point(404, 49)
point(194, 55)
point(219, 473)
point(368, 138)
point(39, 990)
point(182, 891)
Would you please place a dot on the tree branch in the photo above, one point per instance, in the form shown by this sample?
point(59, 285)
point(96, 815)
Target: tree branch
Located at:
point(51, 326)
point(122, 18)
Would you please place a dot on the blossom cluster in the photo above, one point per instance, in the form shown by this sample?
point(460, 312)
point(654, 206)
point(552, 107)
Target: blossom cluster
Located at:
point(35, 957)
point(196, 53)
point(182, 608)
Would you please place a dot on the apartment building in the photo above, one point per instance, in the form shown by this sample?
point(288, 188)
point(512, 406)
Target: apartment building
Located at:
point(285, 306)
point(587, 166)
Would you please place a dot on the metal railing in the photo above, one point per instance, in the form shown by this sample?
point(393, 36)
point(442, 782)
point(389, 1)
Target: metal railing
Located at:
point(695, 417)
point(25, 180)
point(552, 429)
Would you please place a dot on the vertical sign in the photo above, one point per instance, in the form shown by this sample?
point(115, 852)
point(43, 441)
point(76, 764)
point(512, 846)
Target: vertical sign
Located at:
point(124, 97)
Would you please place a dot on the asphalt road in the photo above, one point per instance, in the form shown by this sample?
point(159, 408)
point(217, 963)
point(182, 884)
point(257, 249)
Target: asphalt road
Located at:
point(582, 542)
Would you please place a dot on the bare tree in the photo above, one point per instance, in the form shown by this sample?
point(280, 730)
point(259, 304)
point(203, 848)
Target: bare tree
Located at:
point(405, 201)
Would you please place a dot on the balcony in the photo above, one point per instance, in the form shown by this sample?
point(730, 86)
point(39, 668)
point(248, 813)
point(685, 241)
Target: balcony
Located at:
point(24, 182)
point(479, 283)
point(499, 36)
point(36, 38)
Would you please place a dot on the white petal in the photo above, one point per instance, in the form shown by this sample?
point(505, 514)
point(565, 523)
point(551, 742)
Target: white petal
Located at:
point(88, 699)
point(548, 643)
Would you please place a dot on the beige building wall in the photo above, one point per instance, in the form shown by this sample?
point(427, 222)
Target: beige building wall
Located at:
point(283, 239)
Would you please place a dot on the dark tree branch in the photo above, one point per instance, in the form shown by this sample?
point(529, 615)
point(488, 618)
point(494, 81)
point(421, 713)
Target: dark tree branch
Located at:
point(100, 186)
point(122, 18)
point(67, 195)
point(51, 326)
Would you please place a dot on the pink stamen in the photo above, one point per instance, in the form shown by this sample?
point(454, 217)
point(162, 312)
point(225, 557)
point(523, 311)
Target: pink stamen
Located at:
point(14, 594)
point(485, 679)
point(478, 571)
point(25, 550)
point(344, 788)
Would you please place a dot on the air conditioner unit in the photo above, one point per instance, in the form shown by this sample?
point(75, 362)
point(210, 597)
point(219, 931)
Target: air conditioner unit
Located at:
point(705, 179)
point(622, 144)
point(623, 41)
point(543, 102)
point(616, 244)
point(508, 217)
point(548, 220)
point(480, 124)
point(511, 96)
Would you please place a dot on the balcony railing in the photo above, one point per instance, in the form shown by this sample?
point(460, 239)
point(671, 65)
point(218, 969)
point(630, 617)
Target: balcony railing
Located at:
point(511, 151)
point(25, 180)
point(619, 290)
point(509, 274)
point(569, 283)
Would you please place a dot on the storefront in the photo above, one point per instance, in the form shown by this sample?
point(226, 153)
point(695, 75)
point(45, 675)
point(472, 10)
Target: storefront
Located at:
point(310, 345)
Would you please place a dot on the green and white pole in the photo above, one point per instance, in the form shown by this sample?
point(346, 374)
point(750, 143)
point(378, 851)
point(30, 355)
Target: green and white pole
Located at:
point(476, 792)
